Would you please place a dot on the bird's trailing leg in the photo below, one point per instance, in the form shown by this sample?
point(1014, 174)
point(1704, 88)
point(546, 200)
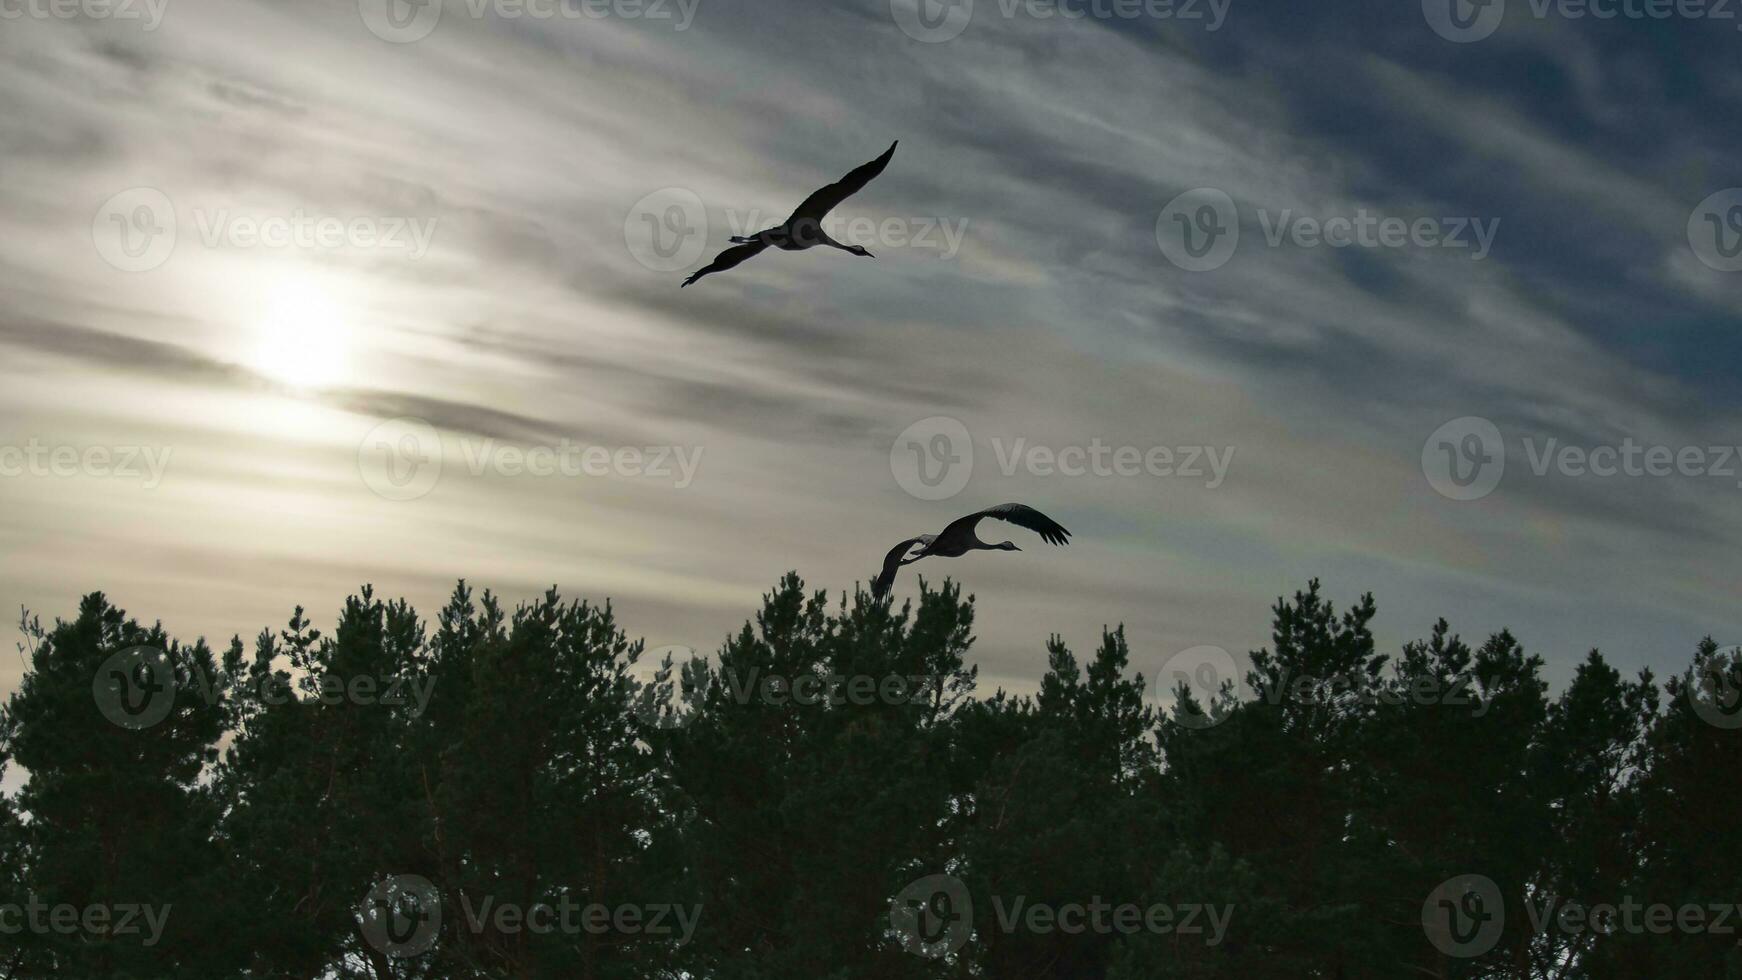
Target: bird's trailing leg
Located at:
point(729, 258)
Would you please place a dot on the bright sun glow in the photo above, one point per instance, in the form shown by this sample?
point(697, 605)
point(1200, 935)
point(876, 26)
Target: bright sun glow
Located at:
point(304, 339)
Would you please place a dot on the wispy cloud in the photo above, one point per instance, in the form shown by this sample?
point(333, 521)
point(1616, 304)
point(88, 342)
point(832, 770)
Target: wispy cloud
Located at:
point(528, 143)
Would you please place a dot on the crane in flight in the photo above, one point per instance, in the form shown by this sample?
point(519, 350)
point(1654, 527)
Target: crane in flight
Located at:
point(804, 229)
point(959, 538)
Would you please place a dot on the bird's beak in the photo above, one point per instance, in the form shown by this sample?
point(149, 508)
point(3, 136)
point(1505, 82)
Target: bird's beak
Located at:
point(868, 254)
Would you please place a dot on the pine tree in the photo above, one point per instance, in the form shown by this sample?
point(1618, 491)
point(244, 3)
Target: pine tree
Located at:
point(1690, 849)
point(115, 725)
point(320, 788)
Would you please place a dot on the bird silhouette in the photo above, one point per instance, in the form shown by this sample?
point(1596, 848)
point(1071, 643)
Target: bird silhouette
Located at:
point(804, 229)
point(959, 538)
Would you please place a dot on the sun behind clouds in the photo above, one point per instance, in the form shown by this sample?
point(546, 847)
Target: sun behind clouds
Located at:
point(304, 337)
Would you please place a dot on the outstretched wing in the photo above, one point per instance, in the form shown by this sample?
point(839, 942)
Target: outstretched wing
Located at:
point(736, 255)
point(1021, 515)
point(891, 562)
point(825, 200)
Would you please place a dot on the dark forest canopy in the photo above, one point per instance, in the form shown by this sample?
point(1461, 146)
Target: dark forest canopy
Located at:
point(496, 794)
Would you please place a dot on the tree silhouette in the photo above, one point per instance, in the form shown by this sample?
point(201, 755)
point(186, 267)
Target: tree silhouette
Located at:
point(501, 794)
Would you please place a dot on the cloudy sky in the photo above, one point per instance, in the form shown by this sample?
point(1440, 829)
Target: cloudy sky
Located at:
point(301, 296)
